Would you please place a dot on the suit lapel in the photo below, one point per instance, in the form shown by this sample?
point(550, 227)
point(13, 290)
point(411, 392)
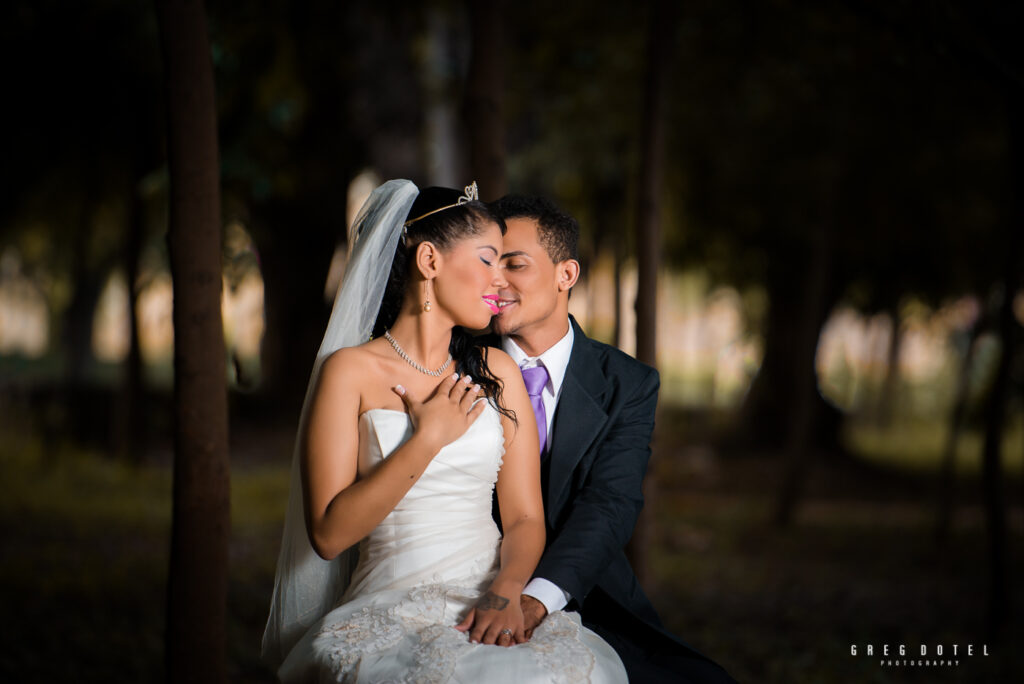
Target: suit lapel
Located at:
point(578, 418)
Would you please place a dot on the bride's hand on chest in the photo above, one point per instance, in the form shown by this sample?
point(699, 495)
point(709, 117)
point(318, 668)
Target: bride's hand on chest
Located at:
point(447, 413)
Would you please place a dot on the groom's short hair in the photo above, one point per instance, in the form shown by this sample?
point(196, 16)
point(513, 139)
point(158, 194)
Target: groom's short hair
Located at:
point(557, 231)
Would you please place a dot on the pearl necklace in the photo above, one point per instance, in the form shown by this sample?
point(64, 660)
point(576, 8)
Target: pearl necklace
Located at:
point(421, 369)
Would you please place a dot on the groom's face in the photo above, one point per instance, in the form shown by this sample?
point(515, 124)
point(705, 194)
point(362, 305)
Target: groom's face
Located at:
point(531, 295)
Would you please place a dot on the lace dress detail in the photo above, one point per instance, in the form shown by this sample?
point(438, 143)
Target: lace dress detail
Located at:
point(376, 629)
point(420, 572)
point(559, 648)
point(371, 630)
point(439, 650)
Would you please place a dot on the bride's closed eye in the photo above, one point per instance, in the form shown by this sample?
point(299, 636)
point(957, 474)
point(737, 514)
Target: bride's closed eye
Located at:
point(487, 254)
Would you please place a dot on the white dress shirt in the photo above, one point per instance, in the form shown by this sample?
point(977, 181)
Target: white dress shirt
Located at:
point(555, 359)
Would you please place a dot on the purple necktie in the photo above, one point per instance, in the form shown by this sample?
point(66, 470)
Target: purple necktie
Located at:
point(535, 379)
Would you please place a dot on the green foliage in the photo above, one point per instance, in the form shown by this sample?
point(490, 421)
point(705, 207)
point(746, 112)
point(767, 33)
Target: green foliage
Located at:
point(793, 120)
point(86, 543)
point(574, 91)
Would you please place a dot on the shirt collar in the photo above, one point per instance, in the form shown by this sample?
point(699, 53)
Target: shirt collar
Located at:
point(555, 358)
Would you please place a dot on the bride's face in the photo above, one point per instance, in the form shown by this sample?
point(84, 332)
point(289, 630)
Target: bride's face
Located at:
point(467, 286)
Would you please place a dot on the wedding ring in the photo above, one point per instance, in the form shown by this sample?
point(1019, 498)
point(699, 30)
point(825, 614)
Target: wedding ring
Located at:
point(507, 632)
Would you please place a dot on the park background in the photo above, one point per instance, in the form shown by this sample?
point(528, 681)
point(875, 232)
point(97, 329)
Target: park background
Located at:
point(808, 215)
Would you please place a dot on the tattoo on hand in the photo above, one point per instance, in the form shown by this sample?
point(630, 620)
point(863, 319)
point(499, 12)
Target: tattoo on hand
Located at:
point(491, 601)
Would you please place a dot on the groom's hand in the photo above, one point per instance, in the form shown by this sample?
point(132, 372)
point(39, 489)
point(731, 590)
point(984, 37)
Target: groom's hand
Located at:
point(534, 613)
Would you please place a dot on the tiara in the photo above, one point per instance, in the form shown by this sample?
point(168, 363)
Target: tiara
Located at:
point(470, 194)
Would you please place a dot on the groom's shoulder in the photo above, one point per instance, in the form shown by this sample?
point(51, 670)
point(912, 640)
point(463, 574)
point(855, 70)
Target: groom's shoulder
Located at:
point(615, 362)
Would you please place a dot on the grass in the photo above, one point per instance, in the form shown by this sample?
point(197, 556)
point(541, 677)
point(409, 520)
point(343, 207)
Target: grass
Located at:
point(860, 565)
point(918, 446)
point(85, 546)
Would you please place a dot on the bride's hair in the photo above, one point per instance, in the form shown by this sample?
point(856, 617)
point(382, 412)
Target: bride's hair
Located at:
point(443, 228)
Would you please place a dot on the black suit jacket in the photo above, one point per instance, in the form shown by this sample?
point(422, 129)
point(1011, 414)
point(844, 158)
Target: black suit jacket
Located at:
point(598, 458)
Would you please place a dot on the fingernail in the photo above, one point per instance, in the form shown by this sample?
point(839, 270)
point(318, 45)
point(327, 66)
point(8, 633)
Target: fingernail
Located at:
point(466, 379)
point(456, 376)
point(400, 389)
point(476, 388)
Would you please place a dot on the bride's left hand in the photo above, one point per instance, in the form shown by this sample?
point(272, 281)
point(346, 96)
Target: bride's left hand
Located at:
point(496, 619)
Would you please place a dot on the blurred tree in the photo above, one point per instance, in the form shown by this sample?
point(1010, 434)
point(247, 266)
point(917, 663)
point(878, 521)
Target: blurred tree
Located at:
point(660, 37)
point(574, 100)
point(886, 404)
point(300, 116)
point(483, 107)
point(995, 426)
point(197, 578)
point(76, 332)
point(650, 183)
point(957, 423)
point(439, 55)
point(83, 114)
point(133, 409)
point(983, 39)
point(831, 157)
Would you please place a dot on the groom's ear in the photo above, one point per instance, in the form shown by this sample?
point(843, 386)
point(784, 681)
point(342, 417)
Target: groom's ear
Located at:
point(567, 272)
point(428, 259)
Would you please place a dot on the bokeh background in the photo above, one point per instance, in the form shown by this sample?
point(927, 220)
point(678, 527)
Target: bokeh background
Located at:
point(835, 194)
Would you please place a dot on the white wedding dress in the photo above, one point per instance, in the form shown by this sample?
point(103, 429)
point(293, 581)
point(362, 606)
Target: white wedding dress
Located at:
point(423, 568)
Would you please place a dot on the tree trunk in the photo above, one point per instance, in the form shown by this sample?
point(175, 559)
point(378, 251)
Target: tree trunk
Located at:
point(890, 386)
point(78, 415)
point(814, 307)
point(996, 408)
point(197, 581)
point(652, 162)
point(648, 225)
point(295, 308)
point(619, 263)
point(442, 134)
point(483, 112)
point(605, 202)
point(132, 417)
point(947, 478)
point(992, 466)
point(766, 414)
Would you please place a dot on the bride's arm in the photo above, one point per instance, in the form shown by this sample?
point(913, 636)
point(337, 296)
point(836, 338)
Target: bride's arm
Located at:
point(341, 510)
point(519, 496)
point(522, 509)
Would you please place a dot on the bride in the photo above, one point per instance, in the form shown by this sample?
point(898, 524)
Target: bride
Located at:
point(391, 567)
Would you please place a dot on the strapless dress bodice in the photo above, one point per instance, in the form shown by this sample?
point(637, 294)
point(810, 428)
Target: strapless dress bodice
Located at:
point(442, 529)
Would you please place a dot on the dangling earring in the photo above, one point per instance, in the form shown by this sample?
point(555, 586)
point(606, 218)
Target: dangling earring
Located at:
point(426, 301)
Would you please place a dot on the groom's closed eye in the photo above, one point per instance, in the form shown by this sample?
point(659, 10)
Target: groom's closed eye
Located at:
point(513, 262)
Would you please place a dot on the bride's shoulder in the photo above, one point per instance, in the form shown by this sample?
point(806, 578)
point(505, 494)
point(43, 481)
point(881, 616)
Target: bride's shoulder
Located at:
point(349, 361)
point(499, 363)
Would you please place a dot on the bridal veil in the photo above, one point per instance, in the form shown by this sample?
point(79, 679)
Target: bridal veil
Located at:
point(306, 586)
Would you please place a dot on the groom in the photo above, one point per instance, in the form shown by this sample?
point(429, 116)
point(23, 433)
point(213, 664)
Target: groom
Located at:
point(594, 409)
